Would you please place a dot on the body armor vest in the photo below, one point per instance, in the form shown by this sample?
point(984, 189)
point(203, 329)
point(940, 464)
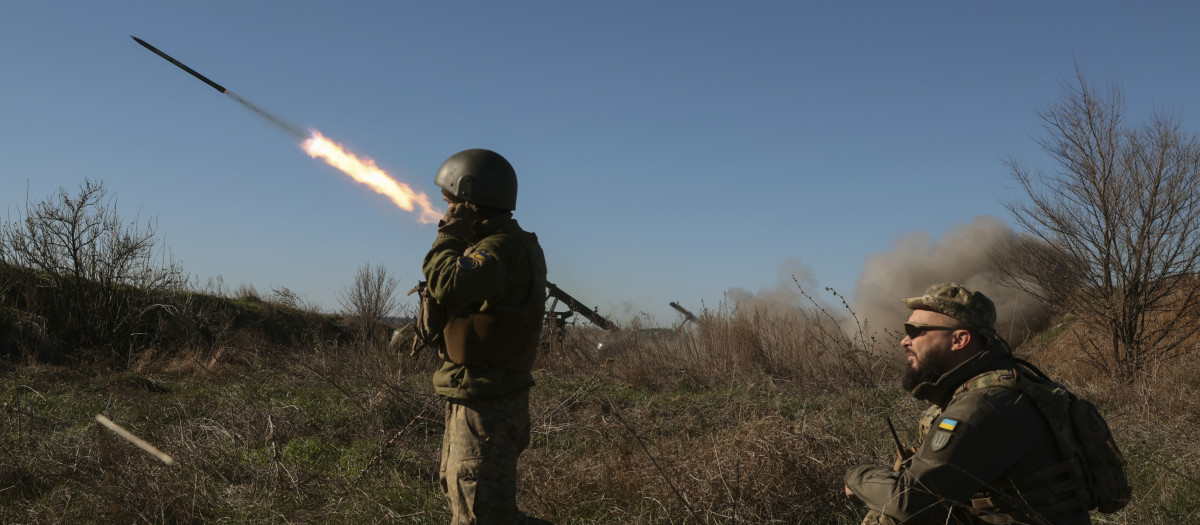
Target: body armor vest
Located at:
point(504, 336)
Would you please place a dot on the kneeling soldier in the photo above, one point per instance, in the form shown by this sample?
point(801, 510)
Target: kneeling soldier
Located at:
point(988, 454)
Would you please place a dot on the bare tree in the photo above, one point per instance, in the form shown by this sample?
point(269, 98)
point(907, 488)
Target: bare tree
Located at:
point(1113, 234)
point(373, 294)
point(98, 274)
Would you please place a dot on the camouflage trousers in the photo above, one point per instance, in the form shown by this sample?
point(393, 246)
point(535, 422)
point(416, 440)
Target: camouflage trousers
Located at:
point(479, 458)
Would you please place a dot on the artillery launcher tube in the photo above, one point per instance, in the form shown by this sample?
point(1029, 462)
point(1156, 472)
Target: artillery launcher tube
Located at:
point(578, 307)
point(687, 316)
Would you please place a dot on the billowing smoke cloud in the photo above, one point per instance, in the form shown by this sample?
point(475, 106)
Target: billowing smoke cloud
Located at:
point(917, 261)
point(784, 298)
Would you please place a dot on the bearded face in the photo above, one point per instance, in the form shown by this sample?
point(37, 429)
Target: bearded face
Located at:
point(928, 342)
point(926, 368)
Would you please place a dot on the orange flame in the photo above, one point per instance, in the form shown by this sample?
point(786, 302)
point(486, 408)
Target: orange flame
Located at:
point(365, 171)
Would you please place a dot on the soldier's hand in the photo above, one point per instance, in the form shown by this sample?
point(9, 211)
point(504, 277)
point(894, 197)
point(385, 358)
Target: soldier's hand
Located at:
point(458, 221)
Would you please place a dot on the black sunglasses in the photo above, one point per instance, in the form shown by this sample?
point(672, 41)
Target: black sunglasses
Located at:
point(913, 330)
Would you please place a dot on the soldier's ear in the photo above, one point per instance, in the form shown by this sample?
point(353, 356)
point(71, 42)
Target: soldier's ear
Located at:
point(960, 339)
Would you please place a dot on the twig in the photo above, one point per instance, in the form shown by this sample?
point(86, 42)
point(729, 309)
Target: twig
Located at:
point(861, 377)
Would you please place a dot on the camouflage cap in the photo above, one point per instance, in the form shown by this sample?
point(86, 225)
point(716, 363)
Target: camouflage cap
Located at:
point(972, 308)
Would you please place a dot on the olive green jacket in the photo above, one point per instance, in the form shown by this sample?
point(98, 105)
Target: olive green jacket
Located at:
point(983, 442)
point(494, 271)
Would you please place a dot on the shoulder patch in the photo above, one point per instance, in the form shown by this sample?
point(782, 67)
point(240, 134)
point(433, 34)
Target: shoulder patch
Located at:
point(474, 260)
point(940, 439)
point(948, 424)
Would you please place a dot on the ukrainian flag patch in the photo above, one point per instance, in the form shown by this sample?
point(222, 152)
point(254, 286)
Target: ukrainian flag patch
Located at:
point(948, 424)
point(474, 260)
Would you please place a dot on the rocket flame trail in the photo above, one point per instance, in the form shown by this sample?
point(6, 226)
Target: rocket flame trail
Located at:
point(316, 145)
point(365, 171)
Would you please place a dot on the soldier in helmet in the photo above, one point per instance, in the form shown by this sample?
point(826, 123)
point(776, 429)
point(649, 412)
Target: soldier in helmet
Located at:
point(987, 453)
point(490, 276)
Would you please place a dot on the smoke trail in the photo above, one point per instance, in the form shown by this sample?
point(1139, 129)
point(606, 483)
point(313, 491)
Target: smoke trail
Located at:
point(286, 127)
point(917, 261)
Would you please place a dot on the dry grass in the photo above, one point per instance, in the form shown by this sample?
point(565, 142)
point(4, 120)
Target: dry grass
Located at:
point(746, 418)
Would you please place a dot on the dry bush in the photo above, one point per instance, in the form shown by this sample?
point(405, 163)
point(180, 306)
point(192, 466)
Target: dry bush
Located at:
point(755, 454)
point(730, 347)
point(1111, 229)
point(372, 296)
point(744, 416)
point(92, 276)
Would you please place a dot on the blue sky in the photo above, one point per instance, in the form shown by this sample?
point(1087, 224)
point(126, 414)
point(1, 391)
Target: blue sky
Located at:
point(666, 151)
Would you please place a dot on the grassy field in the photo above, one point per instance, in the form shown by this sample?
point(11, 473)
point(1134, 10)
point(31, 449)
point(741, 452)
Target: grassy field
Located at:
point(740, 419)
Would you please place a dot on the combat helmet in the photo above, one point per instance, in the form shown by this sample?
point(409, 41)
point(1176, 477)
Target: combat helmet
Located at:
point(479, 176)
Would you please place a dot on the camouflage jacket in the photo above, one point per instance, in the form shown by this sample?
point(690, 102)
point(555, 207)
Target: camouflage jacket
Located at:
point(984, 449)
point(495, 272)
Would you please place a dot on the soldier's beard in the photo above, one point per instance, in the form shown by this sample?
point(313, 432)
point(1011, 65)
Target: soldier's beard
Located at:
point(926, 370)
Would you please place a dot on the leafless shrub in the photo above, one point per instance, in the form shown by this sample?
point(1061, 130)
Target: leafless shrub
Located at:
point(98, 274)
point(1114, 232)
point(372, 296)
